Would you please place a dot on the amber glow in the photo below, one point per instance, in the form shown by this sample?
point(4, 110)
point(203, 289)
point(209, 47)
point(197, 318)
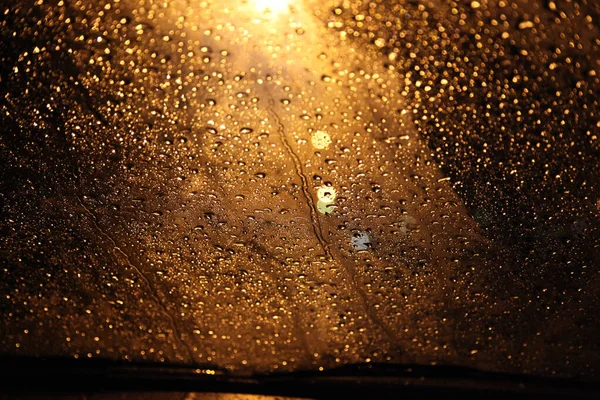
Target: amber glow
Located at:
point(272, 6)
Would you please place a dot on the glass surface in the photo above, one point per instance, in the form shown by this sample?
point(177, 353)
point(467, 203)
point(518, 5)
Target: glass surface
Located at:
point(283, 185)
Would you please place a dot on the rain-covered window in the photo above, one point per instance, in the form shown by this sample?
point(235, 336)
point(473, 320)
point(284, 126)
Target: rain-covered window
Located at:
point(272, 186)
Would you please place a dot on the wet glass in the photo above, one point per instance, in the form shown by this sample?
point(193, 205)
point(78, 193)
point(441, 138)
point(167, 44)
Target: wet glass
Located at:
point(280, 186)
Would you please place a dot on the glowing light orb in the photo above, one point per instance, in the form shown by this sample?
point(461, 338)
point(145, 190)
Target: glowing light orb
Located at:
point(326, 194)
point(325, 208)
point(320, 140)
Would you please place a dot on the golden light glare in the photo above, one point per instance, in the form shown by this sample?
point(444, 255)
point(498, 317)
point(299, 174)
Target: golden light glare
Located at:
point(271, 6)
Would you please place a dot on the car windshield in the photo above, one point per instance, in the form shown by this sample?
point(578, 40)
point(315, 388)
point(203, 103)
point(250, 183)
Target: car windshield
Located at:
point(277, 186)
